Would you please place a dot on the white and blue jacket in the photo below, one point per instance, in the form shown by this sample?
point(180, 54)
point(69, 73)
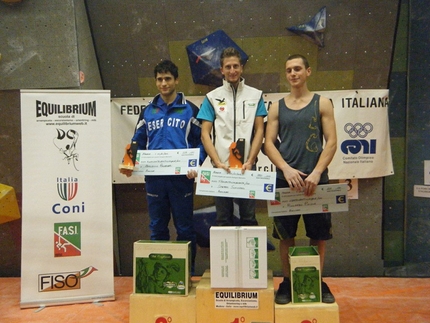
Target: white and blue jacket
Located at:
point(173, 126)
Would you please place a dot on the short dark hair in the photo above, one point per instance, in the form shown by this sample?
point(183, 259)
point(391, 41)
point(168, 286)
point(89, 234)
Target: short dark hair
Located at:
point(304, 59)
point(230, 52)
point(165, 67)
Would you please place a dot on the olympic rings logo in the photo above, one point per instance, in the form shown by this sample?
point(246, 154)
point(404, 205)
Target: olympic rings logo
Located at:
point(358, 129)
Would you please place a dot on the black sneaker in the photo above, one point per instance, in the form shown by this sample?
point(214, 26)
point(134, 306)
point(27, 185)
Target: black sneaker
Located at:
point(327, 296)
point(283, 295)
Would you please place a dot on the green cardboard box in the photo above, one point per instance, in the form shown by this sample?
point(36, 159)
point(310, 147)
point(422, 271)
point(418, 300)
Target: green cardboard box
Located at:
point(305, 275)
point(161, 267)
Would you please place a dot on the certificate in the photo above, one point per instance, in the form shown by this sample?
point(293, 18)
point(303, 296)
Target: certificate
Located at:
point(251, 185)
point(166, 161)
point(327, 198)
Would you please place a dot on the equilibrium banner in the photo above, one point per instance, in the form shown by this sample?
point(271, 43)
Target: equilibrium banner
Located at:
point(67, 240)
point(363, 142)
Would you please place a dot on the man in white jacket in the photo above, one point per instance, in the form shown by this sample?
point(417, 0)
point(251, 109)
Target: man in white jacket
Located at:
point(235, 113)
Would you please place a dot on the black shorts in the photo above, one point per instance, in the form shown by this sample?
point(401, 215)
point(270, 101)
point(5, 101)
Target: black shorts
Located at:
point(317, 225)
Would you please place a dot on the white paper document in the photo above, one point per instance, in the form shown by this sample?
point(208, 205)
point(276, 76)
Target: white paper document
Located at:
point(166, 161)
point(327, 198)
point(251, 184)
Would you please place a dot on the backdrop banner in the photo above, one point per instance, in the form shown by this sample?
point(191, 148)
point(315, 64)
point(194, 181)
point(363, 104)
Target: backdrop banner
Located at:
point(67, 239)
point(363, 142)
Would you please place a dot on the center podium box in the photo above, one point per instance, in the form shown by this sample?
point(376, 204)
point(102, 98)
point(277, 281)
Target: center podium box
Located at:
point(234, 305)
point(238, 257)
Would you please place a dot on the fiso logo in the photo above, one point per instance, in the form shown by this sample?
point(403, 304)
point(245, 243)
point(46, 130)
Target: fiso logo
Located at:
point(56, 282)
point(354, 146)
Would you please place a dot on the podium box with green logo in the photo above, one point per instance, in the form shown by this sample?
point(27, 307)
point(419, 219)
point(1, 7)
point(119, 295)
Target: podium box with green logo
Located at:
point(161, 267)
point(305, 275)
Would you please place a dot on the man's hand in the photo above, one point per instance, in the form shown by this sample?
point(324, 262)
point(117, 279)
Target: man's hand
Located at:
point(311, 183)
point(191, 174)
point(294, 178)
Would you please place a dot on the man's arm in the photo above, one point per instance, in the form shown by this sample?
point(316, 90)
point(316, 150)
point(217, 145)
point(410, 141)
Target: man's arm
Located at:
point(330, 137)
point(209, 146)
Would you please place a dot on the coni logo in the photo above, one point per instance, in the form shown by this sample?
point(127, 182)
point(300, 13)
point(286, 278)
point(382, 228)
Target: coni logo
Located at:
point(353, 145)
point(67, 188)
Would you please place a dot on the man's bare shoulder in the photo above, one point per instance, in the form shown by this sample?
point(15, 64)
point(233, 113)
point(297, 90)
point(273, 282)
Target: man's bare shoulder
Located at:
point(325, 102)
point(324, 98)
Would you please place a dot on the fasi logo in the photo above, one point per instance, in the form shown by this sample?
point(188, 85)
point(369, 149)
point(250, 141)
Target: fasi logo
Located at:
point(67, 187)
point(55, 282)
point(67, 239)
point(357, 144)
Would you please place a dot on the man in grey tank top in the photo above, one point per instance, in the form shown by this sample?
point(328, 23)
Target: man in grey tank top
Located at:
point(301, 121)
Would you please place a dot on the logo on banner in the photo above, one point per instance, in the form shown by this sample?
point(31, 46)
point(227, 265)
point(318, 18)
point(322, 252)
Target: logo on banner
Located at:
point(359, 131)
point(67, 188)
point(56, 282)
point(66, 144)
point(67, 239)
point(163, 319)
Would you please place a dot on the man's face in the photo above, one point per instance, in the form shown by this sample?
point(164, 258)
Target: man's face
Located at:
point(166, 83)
point(232, 69)
point(296, 72)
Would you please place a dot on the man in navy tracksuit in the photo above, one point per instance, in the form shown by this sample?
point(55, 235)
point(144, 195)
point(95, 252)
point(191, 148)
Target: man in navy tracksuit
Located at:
point(169, 122)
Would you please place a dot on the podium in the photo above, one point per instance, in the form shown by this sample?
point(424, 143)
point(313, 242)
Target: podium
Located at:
point(204, 304)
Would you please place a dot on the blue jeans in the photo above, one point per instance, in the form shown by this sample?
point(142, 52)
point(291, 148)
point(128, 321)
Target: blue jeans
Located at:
point(225, 209)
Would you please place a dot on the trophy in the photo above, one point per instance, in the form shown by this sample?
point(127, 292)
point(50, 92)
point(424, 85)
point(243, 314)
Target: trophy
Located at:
point(129, 159)
point(237, 152)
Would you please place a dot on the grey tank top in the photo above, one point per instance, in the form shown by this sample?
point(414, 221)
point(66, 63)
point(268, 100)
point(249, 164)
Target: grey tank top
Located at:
point(301, 136)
